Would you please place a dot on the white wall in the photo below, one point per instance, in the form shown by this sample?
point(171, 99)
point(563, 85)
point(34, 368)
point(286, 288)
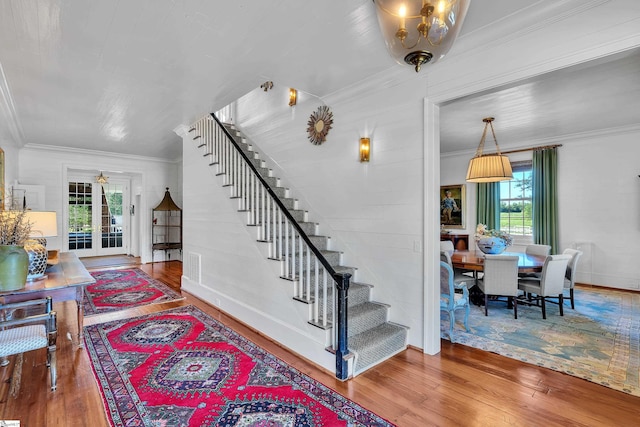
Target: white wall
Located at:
point(48, 166)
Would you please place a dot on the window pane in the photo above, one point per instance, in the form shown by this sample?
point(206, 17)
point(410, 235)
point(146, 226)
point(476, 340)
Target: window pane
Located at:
point(515, 203)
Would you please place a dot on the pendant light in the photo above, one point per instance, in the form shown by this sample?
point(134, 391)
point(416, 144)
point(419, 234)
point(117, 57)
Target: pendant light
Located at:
point(417, 32)
point(489, 167)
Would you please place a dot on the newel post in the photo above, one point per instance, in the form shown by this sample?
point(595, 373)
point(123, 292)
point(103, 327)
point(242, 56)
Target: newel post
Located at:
point(342, 351)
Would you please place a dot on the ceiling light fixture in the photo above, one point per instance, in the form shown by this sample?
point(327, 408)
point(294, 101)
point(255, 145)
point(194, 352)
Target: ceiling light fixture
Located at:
point(420, 31)
point(489, 167)
point(101, 179)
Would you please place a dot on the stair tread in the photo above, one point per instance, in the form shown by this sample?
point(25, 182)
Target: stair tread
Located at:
point(363, 339)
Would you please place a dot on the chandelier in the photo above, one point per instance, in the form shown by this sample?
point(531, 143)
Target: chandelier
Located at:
point(489, 167)
point(420, 31)
point(101, 179)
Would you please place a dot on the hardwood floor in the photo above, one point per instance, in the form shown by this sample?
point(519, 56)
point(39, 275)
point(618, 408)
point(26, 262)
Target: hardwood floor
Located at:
point(460, 386)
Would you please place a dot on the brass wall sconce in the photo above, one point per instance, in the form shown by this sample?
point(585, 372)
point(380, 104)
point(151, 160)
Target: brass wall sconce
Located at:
point(365, 149)
point(293, 97)
point(267, 85)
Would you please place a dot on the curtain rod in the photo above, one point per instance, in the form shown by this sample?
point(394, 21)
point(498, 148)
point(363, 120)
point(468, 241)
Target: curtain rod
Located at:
point(542, 147)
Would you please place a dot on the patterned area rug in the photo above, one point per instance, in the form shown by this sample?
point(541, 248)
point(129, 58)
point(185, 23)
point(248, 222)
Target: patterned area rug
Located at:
point(598, 341)
point(121, 289)
point(180, 367)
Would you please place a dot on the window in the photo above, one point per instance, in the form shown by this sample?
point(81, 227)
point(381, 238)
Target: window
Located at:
point(515, 201)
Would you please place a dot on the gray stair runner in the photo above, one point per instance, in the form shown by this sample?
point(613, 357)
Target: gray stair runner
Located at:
point(372, 338)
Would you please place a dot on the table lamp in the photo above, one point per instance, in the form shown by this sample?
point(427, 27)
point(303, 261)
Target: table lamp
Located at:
point(43, 225)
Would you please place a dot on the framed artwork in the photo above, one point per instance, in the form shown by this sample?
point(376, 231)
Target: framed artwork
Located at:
point(452, 206)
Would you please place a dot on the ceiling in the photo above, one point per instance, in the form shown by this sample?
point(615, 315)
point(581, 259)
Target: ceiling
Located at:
point(119, 76)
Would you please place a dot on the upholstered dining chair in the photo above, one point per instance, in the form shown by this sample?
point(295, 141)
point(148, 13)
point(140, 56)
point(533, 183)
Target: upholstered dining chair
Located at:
point(549, 286)
point(35, 331)
point(450, 300)
point(459, 276)
point(446, 245)
point(570, 275)
point(500, 280)
point(536, 249)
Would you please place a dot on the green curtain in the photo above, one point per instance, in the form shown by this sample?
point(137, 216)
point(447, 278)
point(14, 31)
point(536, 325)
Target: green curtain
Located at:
point(545, 198)
point(488, 204)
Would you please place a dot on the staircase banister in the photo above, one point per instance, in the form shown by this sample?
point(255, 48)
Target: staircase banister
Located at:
point(278, 202)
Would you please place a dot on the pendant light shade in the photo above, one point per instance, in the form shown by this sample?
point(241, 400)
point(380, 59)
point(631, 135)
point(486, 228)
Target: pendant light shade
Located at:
point(489, 167)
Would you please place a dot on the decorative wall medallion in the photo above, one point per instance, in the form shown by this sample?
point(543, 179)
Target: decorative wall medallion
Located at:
point(319, 125)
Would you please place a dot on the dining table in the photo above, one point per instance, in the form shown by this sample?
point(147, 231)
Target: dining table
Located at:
point(473, 261)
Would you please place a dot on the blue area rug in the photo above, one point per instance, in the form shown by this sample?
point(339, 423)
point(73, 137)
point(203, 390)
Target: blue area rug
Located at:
point(598, 341)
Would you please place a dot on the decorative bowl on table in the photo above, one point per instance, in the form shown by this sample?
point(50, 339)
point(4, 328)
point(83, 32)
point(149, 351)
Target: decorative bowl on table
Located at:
point(491, 245)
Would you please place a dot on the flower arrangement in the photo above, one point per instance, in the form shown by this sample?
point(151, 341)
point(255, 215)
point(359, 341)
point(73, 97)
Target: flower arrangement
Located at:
point(483, 231)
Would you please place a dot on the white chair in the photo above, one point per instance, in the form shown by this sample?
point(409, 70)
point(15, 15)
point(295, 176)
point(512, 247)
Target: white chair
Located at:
point(535, 249)
point(570, 276)
point(459, 276)
point(500, 280)
point(19, 335)
point(450, 300)
point(539, 250)
point(550, 285)
point(447, 245)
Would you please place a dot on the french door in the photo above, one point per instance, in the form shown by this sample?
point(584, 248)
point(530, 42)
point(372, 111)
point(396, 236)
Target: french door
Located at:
point(97, 221)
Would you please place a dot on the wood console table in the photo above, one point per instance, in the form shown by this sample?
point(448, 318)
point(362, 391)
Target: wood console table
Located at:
point(64, 281)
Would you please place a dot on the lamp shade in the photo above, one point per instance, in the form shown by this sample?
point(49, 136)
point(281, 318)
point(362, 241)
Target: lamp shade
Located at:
point(420, 31)
point(43, 224)
point(489, 168)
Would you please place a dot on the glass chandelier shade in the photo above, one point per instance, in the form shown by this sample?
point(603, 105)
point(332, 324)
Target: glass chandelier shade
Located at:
point(417, 32)
point(489, 167)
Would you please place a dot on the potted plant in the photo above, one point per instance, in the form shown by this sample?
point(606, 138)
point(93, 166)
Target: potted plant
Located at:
point(15, 229)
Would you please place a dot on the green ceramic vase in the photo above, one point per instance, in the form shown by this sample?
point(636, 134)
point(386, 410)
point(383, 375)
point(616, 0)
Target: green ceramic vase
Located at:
point(14, 266)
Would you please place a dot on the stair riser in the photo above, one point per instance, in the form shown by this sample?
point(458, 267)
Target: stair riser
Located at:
point(364, 321)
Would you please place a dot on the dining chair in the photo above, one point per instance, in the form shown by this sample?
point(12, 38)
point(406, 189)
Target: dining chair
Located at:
point(459, 276)
point(536, 249)
point(549, 286)
point(500, 280)
point(35, 331)
point(570, 275)
point(446, 245)
point(450, 300)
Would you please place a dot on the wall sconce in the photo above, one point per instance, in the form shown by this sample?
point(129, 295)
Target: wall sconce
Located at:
point(365, 149)
point(293, 97)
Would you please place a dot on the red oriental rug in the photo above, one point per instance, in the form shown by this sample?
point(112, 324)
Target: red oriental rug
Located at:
point(181, 367)
point(122, 289)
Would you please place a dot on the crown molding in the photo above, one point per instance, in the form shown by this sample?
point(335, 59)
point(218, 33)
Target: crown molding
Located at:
point(561, 139)
point(87, 152)
point(7, 105)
